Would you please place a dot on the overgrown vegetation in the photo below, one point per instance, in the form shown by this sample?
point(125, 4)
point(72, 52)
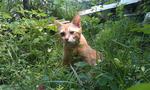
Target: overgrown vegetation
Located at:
point(31, 51)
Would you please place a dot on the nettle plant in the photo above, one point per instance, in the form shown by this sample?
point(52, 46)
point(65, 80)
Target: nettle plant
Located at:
point(25, 44)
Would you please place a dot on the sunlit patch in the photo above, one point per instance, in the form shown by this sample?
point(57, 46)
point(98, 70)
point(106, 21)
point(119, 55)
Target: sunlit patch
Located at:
point(49, 49)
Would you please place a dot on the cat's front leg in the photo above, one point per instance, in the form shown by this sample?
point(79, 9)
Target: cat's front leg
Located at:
point(66, 58)
point(66, 61)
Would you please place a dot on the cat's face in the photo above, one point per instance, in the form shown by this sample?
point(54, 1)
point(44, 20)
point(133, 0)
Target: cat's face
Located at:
point(70, 32)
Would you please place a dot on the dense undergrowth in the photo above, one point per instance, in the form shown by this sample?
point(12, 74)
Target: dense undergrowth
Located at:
point(31, 53)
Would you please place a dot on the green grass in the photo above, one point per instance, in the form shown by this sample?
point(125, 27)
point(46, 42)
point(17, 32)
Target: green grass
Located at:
point(31, 54)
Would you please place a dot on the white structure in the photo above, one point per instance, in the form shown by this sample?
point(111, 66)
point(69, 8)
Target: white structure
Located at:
point(106, 7)
point(82, 0)
point(147, 18)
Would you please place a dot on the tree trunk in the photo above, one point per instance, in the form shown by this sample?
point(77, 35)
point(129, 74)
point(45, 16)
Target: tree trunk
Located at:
point(26, 4)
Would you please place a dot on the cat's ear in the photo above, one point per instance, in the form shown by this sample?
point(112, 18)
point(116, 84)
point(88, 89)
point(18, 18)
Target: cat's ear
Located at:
point(77, 20)
point(57, 23)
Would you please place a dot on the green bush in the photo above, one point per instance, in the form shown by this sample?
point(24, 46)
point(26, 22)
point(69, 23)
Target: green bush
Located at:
point(31, 51)
point(125, 59)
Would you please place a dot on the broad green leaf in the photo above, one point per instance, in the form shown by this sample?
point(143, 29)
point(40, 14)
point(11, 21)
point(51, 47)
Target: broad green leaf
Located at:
point(142, 86)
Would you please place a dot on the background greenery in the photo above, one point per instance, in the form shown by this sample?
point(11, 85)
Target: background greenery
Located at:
point(31, 51)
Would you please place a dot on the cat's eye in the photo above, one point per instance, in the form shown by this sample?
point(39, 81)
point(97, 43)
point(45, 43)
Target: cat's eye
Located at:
point(62, 34)
point(71, 32)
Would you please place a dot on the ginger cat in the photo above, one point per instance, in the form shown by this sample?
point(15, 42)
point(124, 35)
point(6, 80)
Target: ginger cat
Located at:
point(75, 43)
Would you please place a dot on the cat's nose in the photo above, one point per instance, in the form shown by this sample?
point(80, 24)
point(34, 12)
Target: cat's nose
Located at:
point(66, 39)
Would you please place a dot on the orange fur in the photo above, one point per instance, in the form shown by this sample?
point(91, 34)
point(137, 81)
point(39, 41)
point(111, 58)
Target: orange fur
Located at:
point(75, 43)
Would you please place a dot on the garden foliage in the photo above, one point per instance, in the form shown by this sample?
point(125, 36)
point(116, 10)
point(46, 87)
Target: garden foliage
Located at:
point(31, 51)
